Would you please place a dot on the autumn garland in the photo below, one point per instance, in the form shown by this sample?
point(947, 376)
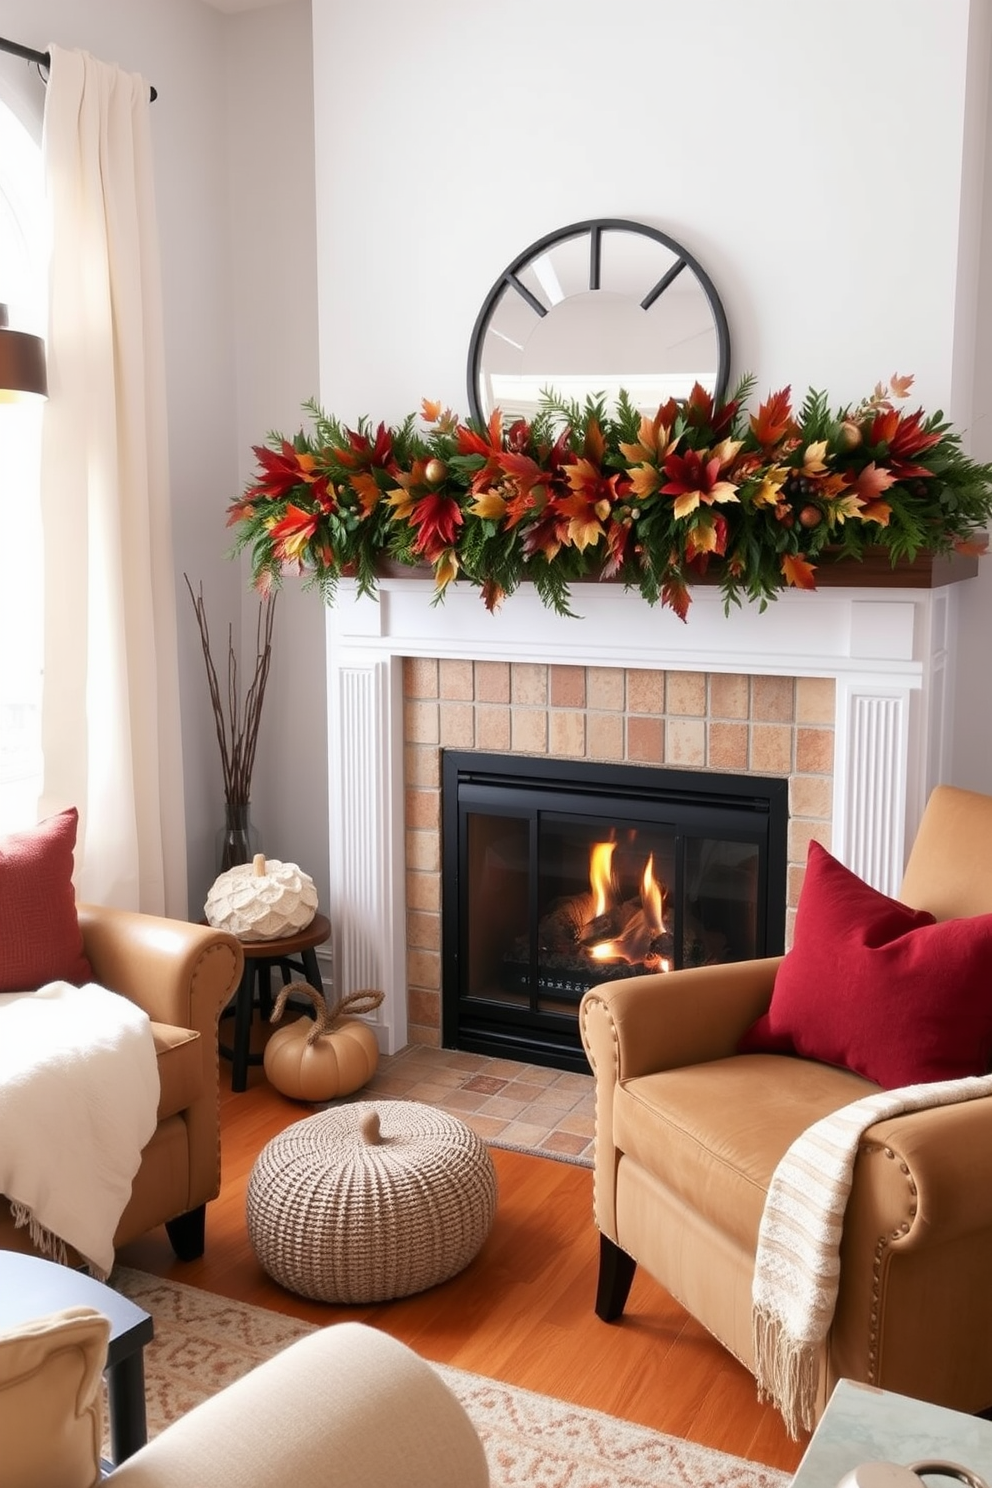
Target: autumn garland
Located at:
point(583, 492)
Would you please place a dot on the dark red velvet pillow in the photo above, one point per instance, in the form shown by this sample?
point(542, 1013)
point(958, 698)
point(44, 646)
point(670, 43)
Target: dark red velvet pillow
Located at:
point(40, 940)
point(877, 987)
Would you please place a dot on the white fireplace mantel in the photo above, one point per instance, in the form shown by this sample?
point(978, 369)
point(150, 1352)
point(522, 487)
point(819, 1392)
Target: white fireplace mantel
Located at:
point(886, 649)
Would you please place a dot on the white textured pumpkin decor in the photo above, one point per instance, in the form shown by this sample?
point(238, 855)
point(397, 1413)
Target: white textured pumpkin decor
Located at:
point(262, 900)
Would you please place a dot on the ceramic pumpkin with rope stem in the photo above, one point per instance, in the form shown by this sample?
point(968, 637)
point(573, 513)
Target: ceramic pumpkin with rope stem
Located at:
point(332, 1055)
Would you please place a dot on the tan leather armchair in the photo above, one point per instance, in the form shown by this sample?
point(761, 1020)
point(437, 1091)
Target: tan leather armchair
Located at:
point(688, 1134)
point(182, 975)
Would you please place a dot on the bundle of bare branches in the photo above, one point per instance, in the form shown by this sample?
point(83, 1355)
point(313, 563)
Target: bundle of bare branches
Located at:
point(237, 722)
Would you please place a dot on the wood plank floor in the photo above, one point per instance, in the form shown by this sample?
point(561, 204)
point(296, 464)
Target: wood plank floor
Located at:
point(521, 1312)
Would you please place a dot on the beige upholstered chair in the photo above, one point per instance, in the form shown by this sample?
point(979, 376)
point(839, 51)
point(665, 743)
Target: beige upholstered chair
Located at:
point(346, 1404)
point(689, 1132)
point(182, 975)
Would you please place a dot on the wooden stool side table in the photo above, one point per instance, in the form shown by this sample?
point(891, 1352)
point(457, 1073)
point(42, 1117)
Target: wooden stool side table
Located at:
point(292, 954)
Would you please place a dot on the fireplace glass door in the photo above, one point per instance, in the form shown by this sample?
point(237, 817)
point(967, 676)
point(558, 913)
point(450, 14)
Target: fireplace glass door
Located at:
point(558, 877)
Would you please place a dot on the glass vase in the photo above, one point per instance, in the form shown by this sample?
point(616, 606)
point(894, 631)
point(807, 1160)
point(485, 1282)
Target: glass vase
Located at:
point(237, 841)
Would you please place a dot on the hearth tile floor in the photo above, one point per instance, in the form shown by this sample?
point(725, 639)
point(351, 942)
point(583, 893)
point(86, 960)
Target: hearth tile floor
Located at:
point(504, 1101)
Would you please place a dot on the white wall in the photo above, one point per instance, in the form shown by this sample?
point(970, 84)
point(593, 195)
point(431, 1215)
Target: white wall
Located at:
point(823, 162)
point(233, 137)
point(274, 284)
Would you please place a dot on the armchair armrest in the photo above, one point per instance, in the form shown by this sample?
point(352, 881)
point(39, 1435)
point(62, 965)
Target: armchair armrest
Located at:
point(182, 974)
point(314, 1414)
point(644, 1024)
point(178, 972)
point(648, 1023)
point(918, 1223)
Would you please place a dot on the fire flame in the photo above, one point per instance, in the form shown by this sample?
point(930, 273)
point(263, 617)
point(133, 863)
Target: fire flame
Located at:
point(633, 943)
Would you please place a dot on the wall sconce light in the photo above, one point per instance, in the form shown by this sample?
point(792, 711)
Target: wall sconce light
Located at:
point(22, 363)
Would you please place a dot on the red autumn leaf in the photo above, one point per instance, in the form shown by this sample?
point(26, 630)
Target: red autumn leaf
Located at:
point(675, 594)
point(282, 471)
point(437, 519)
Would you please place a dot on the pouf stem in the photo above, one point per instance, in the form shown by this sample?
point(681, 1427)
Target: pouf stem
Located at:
point(370, 1129)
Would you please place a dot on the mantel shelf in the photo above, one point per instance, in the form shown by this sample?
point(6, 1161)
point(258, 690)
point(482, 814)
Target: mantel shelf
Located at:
point(875, 570)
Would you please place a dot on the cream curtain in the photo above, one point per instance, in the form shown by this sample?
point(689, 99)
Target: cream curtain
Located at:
point(110, 712)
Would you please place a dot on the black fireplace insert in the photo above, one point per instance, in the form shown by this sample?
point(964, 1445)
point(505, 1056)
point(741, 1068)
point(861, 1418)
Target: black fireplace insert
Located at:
point(559, 874)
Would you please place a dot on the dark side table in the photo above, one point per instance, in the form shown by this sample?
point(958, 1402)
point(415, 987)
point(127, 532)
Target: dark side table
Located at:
point(293, 955)
point(30, 1287)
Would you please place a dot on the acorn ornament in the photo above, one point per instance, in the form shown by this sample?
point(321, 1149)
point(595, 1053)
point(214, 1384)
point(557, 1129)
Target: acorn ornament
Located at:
point(262, 900)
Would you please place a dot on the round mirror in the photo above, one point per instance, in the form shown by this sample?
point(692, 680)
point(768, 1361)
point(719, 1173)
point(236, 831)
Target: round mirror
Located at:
point(591, 309)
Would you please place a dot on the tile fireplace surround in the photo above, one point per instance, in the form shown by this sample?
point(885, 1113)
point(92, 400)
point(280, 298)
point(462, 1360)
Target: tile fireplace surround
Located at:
point(842, 691)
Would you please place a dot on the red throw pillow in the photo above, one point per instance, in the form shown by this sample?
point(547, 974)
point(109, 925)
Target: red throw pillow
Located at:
point(877, 987)
point(40, 939)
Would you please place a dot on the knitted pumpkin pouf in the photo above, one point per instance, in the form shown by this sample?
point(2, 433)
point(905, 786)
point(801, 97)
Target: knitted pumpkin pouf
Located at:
point(367, 1202)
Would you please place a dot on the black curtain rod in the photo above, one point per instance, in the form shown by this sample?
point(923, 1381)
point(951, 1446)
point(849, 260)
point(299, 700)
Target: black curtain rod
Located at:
point(43, 59)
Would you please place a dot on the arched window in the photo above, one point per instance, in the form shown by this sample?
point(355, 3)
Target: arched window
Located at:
point(23, 287)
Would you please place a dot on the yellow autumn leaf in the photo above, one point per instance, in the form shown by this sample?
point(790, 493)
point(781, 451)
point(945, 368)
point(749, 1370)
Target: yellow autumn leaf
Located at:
point(489, 505)
point(813, 458)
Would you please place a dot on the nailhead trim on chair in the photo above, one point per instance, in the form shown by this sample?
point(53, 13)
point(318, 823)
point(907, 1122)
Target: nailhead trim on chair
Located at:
point(881, 1246)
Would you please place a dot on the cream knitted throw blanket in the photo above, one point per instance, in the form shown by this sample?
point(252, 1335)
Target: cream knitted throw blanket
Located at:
point(79, 1089)
point(797, 1264)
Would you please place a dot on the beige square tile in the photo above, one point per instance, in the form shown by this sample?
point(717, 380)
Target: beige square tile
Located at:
point(604, 736)
point(730, 695)
point(423, 970)
point(456, 680)
point(815, 750)
point(685, 694)
point(529, 683)
point(423, 891)
point(646, 740)
point(529, 730)
point(423, 930)
point(567, 733)
point(523, 1134)
point(420, 675)
point(503, 1069)
point(492, 727)
point(422, 766)
point(568, 687)
point(423, 1006)
point(421, 723)
point(773, 699)
point(771, 748)
point(645, 691)
point(457, 726)
point(507, 1108)
point(423, 852)
point(579, 1124)
point(816, 700)
point(685, 741)
point(425, 1037)
point(486, 1127)
point(492, 681)
point(797, 872)
point(565, 1143)
point(727, 746)
point(423, 808)
point(811, 795)
point(802, 833)
point(605, 689)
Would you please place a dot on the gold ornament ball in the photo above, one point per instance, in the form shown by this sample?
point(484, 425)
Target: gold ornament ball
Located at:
point(434, 471)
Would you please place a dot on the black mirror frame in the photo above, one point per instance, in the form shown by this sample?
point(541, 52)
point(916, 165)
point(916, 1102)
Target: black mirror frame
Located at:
point(594, 227)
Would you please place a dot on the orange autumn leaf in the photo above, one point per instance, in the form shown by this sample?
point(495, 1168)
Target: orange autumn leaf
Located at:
point(773, 419)
point(797, 572)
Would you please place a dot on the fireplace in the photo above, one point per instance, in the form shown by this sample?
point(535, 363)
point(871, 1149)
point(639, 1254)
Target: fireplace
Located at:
point(846, 692)
point(557, 875)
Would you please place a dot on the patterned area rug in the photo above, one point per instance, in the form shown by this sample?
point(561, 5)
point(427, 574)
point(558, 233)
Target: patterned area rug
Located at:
point(202, 1342)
